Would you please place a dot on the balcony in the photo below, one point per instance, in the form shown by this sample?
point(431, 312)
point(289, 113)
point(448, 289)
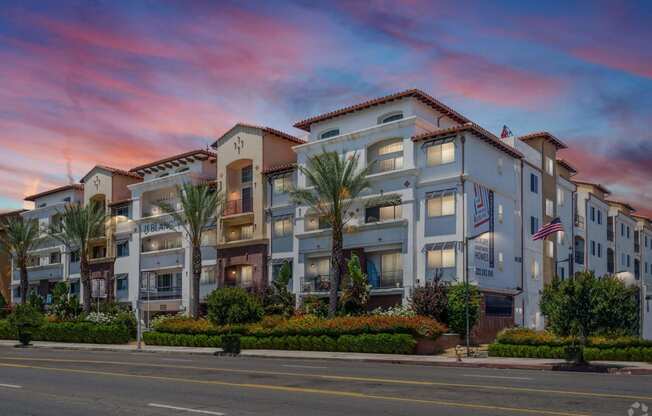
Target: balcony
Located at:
point(315, 284)
point(388, 280)
point(579, 221)
point(238, 206)
point(160, 293)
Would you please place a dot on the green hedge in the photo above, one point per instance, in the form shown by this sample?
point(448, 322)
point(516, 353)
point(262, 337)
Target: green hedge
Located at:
point(523, 336)
point(369, 343)
point(80, 332)
point(590, 353)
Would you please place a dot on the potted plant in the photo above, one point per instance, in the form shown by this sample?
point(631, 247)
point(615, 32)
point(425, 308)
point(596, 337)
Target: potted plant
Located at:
point(24, 320)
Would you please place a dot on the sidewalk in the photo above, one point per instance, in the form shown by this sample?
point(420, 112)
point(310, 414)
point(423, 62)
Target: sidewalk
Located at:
point(627, 367)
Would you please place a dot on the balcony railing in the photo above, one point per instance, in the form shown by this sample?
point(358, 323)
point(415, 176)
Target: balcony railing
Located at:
point(160, 293)
point(579, 221)
point(388, 280)
point(318, 283)
point(238, 206)
point(386, 165)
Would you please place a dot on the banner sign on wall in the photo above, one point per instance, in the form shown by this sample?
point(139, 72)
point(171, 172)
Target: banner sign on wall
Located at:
point(483, 231)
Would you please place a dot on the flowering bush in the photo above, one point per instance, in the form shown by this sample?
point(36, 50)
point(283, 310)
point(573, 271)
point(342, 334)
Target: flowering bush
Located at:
point(404, 311)
point(100, 318)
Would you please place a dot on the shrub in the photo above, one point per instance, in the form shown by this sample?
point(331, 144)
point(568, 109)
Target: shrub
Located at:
point(404, 311)
point(585, 306)
point(313, 305)
point(368, 343)
point(83, 332)
point(231, 343)
point(431, 300)
point(4, 310)
point(457, 307)
point(233, 306)
point(590, 353)
point(278, 299)
point(24, 321)
point(36, 301)
point(182, 340)
point(65, 306)
point(355, 295)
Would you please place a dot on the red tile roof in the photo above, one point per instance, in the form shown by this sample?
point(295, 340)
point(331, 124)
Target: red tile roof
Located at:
point(597, 185)
point(279, 168)
point(642, 217)
point(414, 93)
point(567, 165)
point(544, 135)
point(265, 129)
point(34, 197)
point(621, 203)
point(113, 171)
point(203, 154)
point(477, 131)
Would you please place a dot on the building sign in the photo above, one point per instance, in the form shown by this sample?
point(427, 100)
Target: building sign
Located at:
point(153, 227)
point(483, 231)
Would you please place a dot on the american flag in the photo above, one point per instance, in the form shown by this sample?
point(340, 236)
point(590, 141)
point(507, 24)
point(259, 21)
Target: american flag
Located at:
point(548, 229)
point(506, 132)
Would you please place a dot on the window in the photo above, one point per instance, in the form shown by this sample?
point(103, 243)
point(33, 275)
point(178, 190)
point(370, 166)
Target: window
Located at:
point(246, 174)
point(441, 205)
point(55, 257)
point(550, 208)
point(534, 269)
point(534, 225)
point(66, 199)
point(562, 273)
point(313, 223)
point(208, 275)
point(74, 256)
point(99, 252)
point(560, 197)
point(55, 222)
point(501, 214)
point(550, 249)
point(599, 217)
point(329, 133)
point(388, 118)
point(579, 250)
point(622, 229)
point(386, 156)
point(121, 211)
point(283, 227)
point(501, 262)
point(600, 250)
point(498, 305)
point(623, 259)
point(561, 237)
point(628, 261)
point(550, 166)
point(500, 166)
point(645, 267)
point(628, 231)
point(386, 213)
point(122, 248)
point(440, 154)
point(441, 258)
point(592, 248)
point(121, 282)
point(282, 184)
point(592, 214)
point(534, 183)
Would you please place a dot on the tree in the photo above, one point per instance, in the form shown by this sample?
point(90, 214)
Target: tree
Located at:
point(336, 183)
point(78, 226)
point(278, 299)
point(356, 295)
point(18, 240)
point(457, 307)
point(200, 204)
point(431, 300)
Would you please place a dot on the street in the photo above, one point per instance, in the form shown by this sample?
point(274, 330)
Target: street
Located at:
point(58, 382)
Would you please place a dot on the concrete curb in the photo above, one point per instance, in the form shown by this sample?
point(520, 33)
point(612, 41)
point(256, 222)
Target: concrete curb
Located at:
point(521, 364)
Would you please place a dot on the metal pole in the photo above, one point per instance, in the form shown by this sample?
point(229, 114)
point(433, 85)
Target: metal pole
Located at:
point(466, 296)
point(139, 330)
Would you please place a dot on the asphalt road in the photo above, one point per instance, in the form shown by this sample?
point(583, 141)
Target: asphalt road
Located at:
point(70, 383)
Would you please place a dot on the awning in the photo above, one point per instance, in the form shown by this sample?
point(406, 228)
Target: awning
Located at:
point(436, 141)
point(440, 246)
point(383, 201)
point(435, 194)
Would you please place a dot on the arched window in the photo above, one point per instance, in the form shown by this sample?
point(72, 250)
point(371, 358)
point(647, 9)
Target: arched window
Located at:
point(386, 155)
point(329, 133)
point(388, 118)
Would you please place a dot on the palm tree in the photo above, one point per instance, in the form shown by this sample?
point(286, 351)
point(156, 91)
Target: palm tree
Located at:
point(18, 239)
point(199, 207)
point(78, 226)
point(336, 185)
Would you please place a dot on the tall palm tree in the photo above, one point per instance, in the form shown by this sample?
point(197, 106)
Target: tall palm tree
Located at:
point(199, 208)
point(337, 182)
point(18, 239)
point(78, 226)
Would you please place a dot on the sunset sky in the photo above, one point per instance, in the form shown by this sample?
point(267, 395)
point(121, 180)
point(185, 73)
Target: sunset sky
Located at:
point(123, 83)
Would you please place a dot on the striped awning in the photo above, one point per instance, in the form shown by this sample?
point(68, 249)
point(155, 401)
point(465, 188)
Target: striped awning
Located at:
point(447, 245)
point(383, 200)
point(438, 140)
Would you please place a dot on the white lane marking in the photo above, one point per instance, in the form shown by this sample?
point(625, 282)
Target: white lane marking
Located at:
point(184, 409)
point(11, 386)
point(300, 366)
point(502, 377)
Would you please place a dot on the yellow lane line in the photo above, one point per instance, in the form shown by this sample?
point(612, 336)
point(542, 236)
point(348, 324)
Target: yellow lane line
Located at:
point(302, 390)
point(347, 378)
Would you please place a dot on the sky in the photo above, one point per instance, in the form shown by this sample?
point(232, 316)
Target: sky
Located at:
point(122, 83)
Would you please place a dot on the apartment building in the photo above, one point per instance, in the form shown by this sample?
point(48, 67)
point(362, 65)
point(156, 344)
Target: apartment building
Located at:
point(643, 257)
point(50, 261)
point(152, 252)
point(620, 236)
point(592, 229)
point(566, 194)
